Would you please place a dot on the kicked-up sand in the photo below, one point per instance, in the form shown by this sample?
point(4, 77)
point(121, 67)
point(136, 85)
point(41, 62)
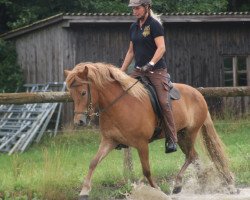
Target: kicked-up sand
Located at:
point(202, 184)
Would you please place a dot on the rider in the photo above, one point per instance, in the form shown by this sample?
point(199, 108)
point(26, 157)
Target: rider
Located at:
point(147, 46)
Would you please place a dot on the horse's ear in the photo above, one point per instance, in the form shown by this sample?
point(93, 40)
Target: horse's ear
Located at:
point(66, 73)
point(83, 74)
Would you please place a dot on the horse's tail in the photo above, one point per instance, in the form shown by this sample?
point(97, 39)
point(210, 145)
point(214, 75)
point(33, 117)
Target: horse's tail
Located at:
point(215, 149)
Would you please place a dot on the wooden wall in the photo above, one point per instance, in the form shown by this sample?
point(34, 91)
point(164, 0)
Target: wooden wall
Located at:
point(195, 54)
point(40, 55)
point(102, 43)
point(194, 51)
point(44, 54)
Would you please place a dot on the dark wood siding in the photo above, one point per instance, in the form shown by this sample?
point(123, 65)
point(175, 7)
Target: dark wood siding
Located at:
point(44, 54)
point(40, 54)
point(101, 43)
point(194, 52)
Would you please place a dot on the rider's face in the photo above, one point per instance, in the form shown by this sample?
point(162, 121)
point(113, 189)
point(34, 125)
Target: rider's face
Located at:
point(139, 12)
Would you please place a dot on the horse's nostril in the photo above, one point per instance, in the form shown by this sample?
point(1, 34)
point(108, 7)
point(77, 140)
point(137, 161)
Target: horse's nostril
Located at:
point(81, 123)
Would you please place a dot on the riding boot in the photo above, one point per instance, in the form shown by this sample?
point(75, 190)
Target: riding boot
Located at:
point(170, 132)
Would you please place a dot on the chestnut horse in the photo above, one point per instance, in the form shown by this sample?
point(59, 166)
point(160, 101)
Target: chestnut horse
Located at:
point(127, 117)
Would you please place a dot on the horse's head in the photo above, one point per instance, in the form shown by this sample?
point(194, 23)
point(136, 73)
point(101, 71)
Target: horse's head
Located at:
point(81, 90)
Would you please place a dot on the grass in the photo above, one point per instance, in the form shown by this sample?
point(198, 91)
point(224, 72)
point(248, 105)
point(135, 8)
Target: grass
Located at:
point(235, 135)
point(54, 169)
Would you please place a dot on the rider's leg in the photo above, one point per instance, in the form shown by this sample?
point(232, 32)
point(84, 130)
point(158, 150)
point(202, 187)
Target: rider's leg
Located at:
point(160, 81)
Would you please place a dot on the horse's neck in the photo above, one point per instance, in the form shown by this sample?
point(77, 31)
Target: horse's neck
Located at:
point(110, 93)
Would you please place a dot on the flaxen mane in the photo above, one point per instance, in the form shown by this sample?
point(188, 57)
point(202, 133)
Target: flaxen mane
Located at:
point(102, 73)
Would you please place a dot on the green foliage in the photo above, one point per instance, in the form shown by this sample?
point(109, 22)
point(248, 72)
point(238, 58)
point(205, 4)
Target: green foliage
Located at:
point(245, 7)
point(24, 12)
point(190, 6)
point(26, 16)
point(18, 13)
point(103, 6)
point(10, 73)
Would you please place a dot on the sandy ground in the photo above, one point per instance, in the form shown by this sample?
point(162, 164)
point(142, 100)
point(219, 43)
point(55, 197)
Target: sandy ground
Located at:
point(243, 195)
point(203, 184)
point(143, 192)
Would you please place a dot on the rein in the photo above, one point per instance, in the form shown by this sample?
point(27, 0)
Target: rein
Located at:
point(90, 104)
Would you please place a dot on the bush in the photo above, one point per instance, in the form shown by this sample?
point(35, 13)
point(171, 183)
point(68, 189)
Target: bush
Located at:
point(11, 76)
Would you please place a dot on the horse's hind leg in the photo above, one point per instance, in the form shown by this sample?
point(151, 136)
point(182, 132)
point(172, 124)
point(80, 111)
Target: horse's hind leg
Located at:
point(105, 147)
point(144, 158)
point(186, 140)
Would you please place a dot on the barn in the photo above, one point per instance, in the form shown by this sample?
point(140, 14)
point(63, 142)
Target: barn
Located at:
point(203, 49)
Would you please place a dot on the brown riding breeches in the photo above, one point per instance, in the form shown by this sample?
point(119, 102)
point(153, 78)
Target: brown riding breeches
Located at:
point(159, 79)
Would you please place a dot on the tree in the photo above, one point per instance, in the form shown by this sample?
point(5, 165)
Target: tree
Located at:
point(17, 13)
point(239, 5)
point(3, 16)
point(11, 76)
point(190, 5)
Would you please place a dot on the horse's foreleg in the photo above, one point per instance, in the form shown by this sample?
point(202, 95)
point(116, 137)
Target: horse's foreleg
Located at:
point(144, 157)
point(104, 148)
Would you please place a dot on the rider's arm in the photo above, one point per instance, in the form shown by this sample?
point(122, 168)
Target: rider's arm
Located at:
point(128, 58)
point(160, 44)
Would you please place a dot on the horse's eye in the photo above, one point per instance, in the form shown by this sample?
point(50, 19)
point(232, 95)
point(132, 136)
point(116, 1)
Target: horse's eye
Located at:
point(83, 93)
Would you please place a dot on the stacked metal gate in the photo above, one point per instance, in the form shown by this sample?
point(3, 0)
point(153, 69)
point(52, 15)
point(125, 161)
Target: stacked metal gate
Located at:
point(20, 125)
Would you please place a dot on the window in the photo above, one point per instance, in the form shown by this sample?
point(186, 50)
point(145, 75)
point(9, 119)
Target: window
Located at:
point(237, 71)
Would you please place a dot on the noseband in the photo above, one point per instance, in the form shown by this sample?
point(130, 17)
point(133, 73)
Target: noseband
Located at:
point(90, 107)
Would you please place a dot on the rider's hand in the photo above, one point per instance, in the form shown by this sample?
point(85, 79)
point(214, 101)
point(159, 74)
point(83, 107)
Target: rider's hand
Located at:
point(146, 68)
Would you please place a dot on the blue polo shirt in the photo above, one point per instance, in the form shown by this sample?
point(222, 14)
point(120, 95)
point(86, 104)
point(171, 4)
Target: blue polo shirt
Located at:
point(143, 42)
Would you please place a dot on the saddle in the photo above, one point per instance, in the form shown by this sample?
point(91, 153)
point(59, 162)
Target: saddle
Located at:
point(174, 95)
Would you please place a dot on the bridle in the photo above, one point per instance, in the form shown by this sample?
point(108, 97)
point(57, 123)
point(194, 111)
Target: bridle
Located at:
point(90, 107)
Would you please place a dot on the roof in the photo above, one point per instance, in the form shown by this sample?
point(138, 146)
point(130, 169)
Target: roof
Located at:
point(80, 18)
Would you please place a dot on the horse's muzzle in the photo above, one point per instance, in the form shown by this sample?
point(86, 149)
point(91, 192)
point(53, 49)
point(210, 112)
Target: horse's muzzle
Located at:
point(80, 120)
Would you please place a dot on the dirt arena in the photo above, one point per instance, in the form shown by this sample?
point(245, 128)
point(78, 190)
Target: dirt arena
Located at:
point(202, 185)
point(143, 192)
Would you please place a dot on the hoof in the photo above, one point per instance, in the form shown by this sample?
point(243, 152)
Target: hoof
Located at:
point(237, 191)
point(83, 197)
point(233, 190)
point(177, 190)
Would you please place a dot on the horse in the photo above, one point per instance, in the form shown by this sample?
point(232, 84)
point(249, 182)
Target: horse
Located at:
point(126, 117)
